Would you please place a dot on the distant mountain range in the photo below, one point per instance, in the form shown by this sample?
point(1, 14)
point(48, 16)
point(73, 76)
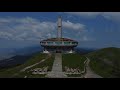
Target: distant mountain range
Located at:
point(13, 56)
point(28, 50)
point(13, 61)
point(83, 51)
point(10, 52)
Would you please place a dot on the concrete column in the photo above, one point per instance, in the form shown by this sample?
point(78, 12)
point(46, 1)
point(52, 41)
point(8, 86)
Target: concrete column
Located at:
point(70, 51)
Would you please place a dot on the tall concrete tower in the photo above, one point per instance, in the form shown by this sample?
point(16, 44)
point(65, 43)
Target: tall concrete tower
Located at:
point(59, 31)
point(58, 44)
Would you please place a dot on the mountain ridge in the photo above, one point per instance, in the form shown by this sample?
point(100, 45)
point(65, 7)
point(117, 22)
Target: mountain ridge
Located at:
point(105, 62)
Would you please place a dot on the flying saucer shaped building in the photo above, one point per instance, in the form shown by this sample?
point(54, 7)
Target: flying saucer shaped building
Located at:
point(59, 44)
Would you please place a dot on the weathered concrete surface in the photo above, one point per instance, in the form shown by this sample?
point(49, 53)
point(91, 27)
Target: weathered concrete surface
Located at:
point(57, 68)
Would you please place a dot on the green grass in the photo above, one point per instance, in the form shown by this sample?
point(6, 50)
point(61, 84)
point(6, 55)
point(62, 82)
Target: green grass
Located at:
point(106, 62)
point(29, 75)
point(101, 68)
point(9, 72)
point(74, 75)
point(37, 76)
point(48, 62)
point(73, 61)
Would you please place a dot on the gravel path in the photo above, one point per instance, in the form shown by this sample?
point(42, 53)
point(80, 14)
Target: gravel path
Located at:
point(89, 72)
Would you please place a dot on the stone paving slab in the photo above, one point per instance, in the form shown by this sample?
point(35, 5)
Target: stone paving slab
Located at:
point(57, 68)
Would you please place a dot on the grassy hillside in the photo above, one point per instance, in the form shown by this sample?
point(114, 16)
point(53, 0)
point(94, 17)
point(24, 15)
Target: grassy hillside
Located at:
point(73, 61)
point(15, 60)
point(10, 72)
point(106, 62)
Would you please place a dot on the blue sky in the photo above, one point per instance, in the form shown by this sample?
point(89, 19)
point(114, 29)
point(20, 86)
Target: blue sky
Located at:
point(90, 29)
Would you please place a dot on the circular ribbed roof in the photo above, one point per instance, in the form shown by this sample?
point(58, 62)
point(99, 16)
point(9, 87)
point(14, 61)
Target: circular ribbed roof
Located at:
point(60, 39)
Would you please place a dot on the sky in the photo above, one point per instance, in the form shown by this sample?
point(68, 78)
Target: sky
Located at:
point(90, 29)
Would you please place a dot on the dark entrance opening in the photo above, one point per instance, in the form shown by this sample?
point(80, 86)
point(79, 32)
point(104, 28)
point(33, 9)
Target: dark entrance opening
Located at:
point(58, 51)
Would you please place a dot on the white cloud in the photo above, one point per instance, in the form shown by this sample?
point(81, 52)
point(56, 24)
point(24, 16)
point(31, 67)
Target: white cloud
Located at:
point(74, 26)
point(86, 38)
point(5, 35)
point(31, 29)
point(112, 15)
point(108, 15)
point(85, 14)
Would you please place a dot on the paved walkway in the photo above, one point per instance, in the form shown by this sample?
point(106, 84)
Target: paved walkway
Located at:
point(57, 68)
point(89, 72)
